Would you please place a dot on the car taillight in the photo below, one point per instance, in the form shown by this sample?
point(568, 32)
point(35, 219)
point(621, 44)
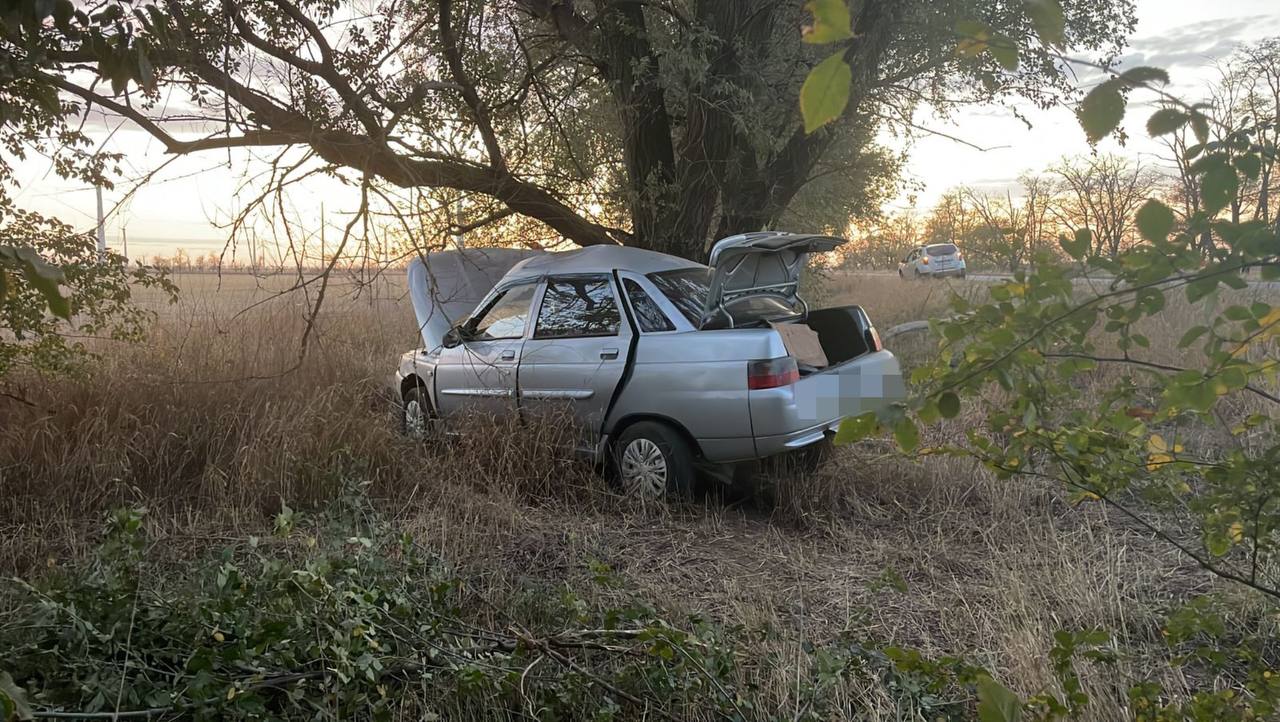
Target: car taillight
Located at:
point(925, 260)
point(772, 373)
point(873, 339)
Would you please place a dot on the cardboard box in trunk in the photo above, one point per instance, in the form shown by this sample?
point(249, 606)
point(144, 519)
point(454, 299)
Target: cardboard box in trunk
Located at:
point(802, 343)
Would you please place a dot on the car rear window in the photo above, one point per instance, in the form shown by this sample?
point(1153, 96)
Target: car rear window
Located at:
point(942, 249)
point(687, 288)
point(648, 314)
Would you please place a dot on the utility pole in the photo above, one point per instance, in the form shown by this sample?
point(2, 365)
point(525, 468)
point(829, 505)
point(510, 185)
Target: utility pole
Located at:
point(102, 230)
point(322, 224)
point(124, 241)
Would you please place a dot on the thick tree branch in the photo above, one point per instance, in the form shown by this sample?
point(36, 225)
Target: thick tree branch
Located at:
point(453, 57)
point(326, 69)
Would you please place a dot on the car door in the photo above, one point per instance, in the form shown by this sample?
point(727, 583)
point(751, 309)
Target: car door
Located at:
point(575, 358)
point(479, 374)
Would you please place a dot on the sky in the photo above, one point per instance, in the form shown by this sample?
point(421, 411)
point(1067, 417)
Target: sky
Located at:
point(185, 202)
point(1185, 37)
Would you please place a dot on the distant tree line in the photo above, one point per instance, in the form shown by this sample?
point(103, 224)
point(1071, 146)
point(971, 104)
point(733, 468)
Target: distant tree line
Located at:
point(1102, 192)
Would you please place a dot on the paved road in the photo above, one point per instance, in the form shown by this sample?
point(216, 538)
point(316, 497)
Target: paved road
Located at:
point(1095, 282)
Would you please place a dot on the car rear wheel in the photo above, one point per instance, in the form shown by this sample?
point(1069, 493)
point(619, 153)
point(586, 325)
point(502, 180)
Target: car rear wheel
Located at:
point(651, 460)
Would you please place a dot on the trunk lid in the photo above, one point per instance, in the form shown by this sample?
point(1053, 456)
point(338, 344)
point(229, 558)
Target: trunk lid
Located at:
point(761, 265)
point(445, 286)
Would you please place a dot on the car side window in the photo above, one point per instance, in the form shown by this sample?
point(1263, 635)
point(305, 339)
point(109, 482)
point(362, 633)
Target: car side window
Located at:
point(578, 306)
point(648, 315)
point(507, 316)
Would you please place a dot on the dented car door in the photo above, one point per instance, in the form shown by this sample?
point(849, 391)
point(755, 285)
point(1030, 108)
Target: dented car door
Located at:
point(577, 353)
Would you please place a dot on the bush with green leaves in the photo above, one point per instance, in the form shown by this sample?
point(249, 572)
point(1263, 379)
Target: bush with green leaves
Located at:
point(57, 292)
point(1059, 381)
point(338, 616)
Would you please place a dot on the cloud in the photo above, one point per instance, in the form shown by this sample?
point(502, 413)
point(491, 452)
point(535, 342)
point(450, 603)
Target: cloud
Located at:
point(1196, 44)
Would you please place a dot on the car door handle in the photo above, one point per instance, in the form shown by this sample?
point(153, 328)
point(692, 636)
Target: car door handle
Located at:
point(508, 355)
point(609, 353)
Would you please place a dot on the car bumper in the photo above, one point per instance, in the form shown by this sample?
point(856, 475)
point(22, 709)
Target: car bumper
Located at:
point(767, 446)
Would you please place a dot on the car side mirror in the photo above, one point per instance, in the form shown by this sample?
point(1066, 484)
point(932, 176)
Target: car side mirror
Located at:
point(453, 337)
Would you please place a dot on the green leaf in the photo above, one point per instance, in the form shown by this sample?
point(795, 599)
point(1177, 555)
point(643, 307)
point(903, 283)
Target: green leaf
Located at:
point(45, 277)
point(1151, 300)
point(1238, 313)
point(1218, 187)
point(13, 700)
point(1217, 544)
point(825, 92)
point(1201, 287)
point(1144, 75)
point(856, 428)
point(975, 37)
point(1250, 165)
point(1234, 377)
point(1155, 221)
point(1102, 110)
point(1049, 20)
point(1200, 126)
point(996, 703)
point(949, 405)
point(831, 22)
point(1231, 280)
point(62, 14)
point(1165, 121)
point(1005, 51)
point(928, 412)
point(1077, 246)
point(907, 435)
point(1191, 335)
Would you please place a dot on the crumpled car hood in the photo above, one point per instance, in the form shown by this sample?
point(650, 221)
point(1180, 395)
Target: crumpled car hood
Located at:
point(445, 286)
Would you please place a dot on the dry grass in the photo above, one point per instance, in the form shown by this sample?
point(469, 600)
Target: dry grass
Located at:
point(200, 426)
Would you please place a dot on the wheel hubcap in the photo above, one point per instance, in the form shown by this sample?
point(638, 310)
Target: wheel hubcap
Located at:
point(644, 469)
point(415, 420)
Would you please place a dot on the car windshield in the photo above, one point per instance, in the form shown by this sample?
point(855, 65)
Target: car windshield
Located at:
point(687, 288)
point(942, 249)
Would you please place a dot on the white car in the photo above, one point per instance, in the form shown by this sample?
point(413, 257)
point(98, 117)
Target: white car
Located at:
point(936, 260)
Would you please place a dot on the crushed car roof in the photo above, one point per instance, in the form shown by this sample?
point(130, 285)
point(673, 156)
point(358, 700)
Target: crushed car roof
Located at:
point(598, 259)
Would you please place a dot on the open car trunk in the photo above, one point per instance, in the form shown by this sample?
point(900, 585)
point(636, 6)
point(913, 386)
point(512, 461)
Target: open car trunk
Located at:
point(756, 277)
point(844, 333)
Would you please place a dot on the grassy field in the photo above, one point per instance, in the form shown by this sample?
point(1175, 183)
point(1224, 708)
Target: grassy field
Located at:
point(215, 424)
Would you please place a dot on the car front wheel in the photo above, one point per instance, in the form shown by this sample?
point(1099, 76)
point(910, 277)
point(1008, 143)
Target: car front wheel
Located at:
point(651, 460)
point(415, 413)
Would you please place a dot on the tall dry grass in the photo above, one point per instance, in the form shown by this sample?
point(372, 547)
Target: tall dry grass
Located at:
point(202, 426)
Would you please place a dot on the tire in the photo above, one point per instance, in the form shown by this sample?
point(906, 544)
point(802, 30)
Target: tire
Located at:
point(651, 460)
point(416, 414)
